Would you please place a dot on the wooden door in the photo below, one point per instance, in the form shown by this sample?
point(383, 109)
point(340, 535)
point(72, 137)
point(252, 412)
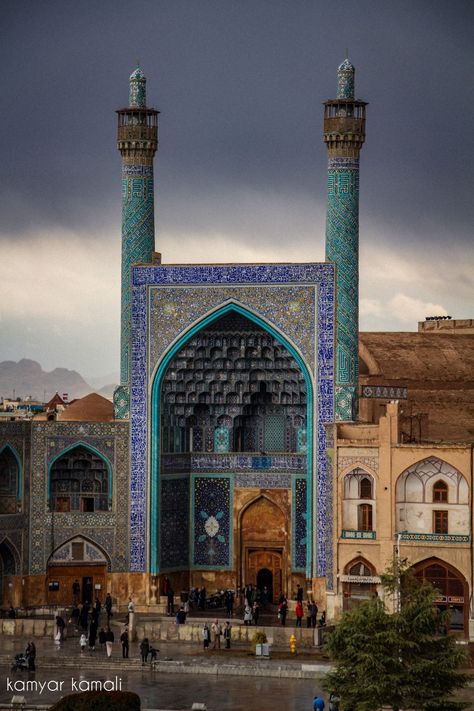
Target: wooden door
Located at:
point(265, 559)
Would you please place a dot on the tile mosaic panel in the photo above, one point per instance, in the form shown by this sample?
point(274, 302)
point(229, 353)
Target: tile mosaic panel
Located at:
point(138, 243)
point(342, 248)
point(174, 523)
point(300, 524)
point(212, 508)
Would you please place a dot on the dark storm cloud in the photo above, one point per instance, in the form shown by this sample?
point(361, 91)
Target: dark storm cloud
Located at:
point(240, 86)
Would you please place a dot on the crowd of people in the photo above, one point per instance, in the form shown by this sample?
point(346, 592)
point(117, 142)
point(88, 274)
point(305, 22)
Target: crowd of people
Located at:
point(91, 621)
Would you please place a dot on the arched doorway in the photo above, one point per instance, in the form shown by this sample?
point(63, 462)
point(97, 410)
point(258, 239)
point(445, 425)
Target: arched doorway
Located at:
point(77, 560)
point(263, 546)
point(359, 583)
point(453, 591)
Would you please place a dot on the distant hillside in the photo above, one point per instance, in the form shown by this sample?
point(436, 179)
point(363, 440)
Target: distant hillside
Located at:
point(27, 378)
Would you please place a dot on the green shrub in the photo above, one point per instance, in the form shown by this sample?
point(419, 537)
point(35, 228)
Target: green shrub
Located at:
point(99, 701)
point(259, 638)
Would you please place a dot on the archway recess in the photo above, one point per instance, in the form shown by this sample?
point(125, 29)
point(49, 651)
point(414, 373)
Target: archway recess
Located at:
point(263, 532)
point(452, 591)
point(231, 385)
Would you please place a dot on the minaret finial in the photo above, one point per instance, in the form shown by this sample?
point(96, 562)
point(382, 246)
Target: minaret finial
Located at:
point(137, 89)
point(345, 80)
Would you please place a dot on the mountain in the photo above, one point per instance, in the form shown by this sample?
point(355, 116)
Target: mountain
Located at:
point(27, 378)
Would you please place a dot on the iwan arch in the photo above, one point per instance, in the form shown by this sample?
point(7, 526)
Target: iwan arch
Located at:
point(232, 405)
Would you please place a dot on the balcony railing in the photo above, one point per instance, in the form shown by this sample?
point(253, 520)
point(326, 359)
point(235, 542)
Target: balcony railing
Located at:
point(358, 535)
point(232, 461)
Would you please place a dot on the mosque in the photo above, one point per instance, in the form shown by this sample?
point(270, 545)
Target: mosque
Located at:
point(256, 436)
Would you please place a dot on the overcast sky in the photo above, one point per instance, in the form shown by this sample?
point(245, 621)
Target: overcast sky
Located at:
point(240, 170)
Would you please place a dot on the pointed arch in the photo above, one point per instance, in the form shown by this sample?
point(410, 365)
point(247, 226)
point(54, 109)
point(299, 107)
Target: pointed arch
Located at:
point(10, 558)
point(80, 538)
point(93, 450)
point(157, 377)
point(19, 483)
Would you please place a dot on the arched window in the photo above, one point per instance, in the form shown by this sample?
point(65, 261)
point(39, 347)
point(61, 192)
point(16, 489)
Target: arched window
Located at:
point(79, 481)
point(360, 568)
point(364, 517)
point(9, 480)
point(365, 488)
point(440, 492)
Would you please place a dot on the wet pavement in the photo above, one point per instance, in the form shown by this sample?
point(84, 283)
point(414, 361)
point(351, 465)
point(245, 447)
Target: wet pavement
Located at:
point(162, 690)
point(157, 690)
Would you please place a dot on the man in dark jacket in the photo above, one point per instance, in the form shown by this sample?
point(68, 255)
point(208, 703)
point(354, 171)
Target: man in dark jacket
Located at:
point(124, 641)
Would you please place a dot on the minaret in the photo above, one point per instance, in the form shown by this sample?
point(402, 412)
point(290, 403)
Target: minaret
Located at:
point(344, 134)
point(137, 141)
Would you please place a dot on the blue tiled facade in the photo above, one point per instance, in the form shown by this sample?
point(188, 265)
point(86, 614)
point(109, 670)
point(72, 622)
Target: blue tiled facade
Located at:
point(295, 301)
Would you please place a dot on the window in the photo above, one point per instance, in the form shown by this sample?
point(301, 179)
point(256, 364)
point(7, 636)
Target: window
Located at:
point(80, 482)
point(63, 503)
point(87, 503)
point(364, 517)
point(365, 488)
point(440, 492)
point(440, 521)
point(77, 550)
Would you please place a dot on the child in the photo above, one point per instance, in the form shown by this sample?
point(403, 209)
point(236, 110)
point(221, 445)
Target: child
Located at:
point(83, 642)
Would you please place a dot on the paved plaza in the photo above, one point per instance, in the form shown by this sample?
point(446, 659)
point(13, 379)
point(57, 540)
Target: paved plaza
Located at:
point(184, 675)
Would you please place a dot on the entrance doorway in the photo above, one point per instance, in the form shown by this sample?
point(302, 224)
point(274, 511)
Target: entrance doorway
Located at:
point(265, 580)
point(264, 567)
point(92, 580)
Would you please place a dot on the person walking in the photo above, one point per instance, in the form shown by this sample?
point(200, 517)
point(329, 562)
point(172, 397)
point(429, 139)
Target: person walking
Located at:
point(144, 650)
point(60, 625)
point(97, 609)
point(229, 603)
point(318, 703)
point(170, 599)
point(299, 613)
point(216, 631)
point(130, 609)
point(30, 654)
point(255, 612)
point(313, 609)
point(83, 642)
point(109, 641)
point(247, 614)
point(125, 643)
point(102, 638)
point(206, 636)
point(282, 610)
point(227, 634)
point(108, 606)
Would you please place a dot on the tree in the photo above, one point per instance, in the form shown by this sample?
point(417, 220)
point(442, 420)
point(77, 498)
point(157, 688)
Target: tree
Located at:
point(404, 659)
